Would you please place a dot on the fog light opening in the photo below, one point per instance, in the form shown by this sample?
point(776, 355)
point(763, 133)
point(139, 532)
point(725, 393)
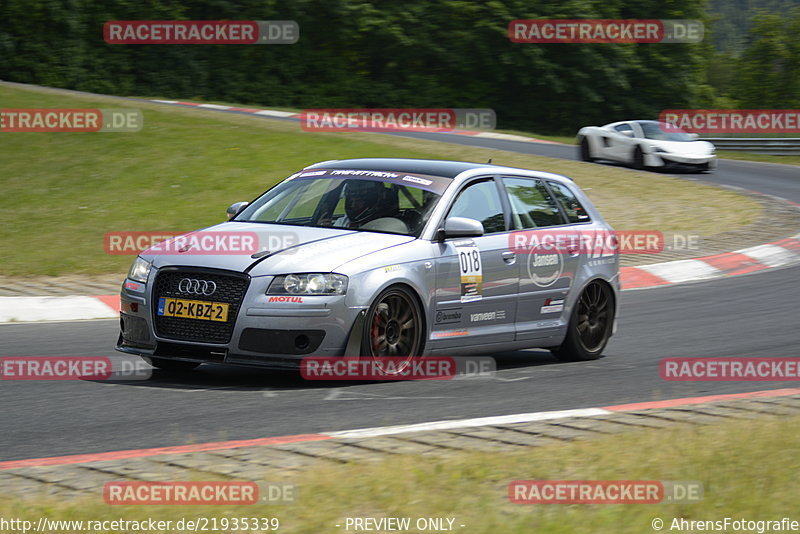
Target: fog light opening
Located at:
point(302, 342)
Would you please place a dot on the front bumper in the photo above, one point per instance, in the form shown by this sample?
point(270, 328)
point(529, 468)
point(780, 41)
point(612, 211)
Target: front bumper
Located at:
point(266, 332)
point(708, 161)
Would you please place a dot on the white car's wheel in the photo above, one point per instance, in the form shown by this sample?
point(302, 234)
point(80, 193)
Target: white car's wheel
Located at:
point(637, 161)
point(585, 150)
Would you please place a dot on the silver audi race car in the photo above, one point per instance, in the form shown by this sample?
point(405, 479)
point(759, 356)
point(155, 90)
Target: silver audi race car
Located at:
point(372, 258)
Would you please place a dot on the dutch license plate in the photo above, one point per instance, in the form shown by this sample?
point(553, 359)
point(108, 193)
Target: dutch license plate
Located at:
point(193, 309)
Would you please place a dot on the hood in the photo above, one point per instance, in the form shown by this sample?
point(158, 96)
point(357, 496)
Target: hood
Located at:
point(278, 248)
point(689, 148)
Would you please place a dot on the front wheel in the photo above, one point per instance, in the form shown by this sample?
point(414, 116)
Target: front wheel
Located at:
point(393, 329)
point(638, 159)
point(590, 325)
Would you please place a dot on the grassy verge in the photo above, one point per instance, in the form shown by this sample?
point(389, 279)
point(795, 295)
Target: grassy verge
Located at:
point(63, 191)
point(754, 479)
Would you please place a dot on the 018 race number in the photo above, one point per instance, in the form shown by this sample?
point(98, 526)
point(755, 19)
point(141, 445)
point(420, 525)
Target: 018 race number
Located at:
point(469, 261)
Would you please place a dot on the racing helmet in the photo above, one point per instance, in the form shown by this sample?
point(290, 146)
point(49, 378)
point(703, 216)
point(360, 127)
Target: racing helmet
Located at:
point(362, 200)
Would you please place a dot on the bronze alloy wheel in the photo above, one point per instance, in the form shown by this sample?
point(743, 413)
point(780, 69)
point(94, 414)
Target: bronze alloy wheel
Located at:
point(394, 327)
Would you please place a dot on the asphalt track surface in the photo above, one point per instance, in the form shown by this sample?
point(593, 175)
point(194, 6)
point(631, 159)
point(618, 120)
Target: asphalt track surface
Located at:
point(751, 316)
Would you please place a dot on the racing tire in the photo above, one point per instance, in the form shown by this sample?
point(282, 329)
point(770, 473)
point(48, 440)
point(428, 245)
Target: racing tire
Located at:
point(394, 327)
point(590, 325)
point(586, 150)
point(638, 159)
point(171, 365)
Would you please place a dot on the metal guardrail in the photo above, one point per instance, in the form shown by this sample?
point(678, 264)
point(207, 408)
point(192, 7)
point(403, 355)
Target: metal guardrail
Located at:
point(777, 146)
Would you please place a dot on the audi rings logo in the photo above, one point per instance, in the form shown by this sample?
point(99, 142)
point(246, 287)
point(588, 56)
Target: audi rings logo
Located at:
point(197, 287)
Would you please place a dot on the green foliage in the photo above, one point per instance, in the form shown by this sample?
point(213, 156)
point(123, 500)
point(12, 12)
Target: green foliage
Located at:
point(770, 66)
point(368, 53)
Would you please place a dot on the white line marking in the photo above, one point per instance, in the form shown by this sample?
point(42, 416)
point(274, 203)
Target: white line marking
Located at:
point(213, 106)
point(464, 423)
point(273, 113)
point(682, 270)
point(165, 101)
point(771, 255)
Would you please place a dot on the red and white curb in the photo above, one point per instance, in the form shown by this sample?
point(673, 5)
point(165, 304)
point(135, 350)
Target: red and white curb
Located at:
point(389, 430)
point(748, 260)
point(771, 255)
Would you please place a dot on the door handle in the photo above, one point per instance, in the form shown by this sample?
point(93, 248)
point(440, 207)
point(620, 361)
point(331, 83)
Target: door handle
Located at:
point(509, 256)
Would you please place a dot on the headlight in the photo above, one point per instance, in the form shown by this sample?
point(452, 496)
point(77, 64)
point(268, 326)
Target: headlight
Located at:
point(140, 270)
point(309, 284)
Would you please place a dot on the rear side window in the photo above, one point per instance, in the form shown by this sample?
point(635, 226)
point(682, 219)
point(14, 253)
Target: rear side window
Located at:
point(532, 205)
point(573, 208)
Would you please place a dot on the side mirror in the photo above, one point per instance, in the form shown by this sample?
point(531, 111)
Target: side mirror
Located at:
point(234, 209)
point(694, 136)
point(461, 227)
point(627, 133)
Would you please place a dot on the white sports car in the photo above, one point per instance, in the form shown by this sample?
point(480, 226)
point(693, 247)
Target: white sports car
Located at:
point(644, 144)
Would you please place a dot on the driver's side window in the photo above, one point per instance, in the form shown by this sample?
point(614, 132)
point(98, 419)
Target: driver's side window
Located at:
point(480, 201)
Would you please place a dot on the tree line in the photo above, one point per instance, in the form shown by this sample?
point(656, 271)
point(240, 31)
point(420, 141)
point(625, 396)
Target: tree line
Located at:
point(415, 53)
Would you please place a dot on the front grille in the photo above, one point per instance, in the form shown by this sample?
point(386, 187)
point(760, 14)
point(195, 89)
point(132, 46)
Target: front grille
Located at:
point(231, 288)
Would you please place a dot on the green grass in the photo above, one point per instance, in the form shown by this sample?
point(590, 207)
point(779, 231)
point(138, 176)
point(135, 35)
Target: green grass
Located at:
point(63, 191)
point(753, 478)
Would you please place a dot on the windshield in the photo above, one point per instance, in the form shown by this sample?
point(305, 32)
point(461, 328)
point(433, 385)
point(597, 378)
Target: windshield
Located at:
point(376, 201)
point(655, 131)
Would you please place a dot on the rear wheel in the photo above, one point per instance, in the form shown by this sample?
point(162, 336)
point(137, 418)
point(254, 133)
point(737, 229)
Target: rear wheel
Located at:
point(590, 325)
point(586, 150)
point(393, 330)
point(171, 365)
